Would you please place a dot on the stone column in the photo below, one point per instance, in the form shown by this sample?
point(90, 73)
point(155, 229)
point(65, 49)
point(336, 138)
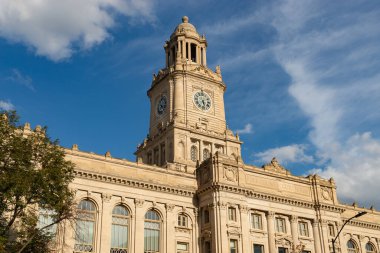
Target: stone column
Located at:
point(204, 56)
point(139, 226)
point(317, 241)
point(189, 50)
point(245, 227)
point(200, 152)
point(106, 223)
point(178, 98)
point(271, 233)
point(170, 228)
point(326, 244)
point(224, 240)
point(294, 229)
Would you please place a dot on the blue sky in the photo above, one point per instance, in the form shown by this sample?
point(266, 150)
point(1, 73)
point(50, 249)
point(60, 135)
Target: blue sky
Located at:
point(303, 79)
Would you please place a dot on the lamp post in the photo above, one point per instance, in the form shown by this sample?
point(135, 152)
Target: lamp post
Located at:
point(347, 221)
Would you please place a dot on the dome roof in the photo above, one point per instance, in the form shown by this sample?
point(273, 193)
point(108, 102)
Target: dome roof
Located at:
point(185, 28)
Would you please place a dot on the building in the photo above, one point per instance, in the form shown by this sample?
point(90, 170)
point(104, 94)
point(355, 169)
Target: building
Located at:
point(189, 190)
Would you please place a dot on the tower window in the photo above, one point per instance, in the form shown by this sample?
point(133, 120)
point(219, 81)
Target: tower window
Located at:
point(193, 48)
point(206, 154)
point(206, 217)
point(163, 154)
point(194, 153)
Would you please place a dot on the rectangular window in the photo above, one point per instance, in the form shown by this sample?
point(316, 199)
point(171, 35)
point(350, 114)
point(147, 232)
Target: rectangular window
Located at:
point(280, 225)
point(331, 230)
point(232, 213)
point(163, 154)
point(182, 247)
point(303, 229)
point(206, 217)
point(282, 250)
point(207, 247)
point(257, 248)
point(233, 246)
point(256, 221)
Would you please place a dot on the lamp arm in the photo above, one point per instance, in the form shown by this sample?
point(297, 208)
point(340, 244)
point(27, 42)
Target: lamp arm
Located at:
point(347, 221)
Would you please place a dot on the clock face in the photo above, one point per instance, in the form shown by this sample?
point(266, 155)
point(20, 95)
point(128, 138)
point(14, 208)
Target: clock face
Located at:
point(202, 100)
point(161, 105)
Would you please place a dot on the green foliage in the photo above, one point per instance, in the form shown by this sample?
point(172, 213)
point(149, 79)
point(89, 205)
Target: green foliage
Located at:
point(34, 175)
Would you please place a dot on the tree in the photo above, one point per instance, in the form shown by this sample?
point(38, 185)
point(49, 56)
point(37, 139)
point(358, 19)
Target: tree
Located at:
point(34, 176)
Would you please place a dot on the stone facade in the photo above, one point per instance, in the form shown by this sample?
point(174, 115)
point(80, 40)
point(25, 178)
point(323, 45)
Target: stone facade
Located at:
point(189, 171)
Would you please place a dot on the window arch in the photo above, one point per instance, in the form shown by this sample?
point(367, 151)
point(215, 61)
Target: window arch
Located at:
point(119, 230)
point(194, 153)
point(206, 154)
point(85, 226)
point(351, 247)
point(152, 231)
point(369, 248)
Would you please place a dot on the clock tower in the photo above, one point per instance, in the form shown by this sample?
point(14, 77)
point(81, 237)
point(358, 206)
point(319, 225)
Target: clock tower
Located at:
point(187, 116)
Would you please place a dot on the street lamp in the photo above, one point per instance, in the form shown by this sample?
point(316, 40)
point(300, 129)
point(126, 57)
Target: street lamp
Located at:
point(347, 221)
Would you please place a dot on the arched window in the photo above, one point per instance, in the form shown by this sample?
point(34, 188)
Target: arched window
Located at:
point(206, 154)
point(369, 248)
point(152, 226)
point(194, 153)
point(351, 247)
point(85, 226)
point(119, 231)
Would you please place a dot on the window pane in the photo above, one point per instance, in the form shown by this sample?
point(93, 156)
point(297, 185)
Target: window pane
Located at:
point(85, 226)
point(257, 248)
point(182, 246)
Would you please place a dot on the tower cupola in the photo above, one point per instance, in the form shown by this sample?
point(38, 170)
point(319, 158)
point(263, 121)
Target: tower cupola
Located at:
point(186, 46)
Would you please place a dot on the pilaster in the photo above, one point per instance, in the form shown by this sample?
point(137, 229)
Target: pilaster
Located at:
point(317, 240)
point(106, 222)
point(139, 224)
point(245, 226)
point(294, 229)
point(271, 233)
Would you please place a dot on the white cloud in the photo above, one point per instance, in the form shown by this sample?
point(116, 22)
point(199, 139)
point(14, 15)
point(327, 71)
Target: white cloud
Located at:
point(292, 153)
point(22, 79)
point(332, 55)
point(56, 29)
point(246, 130)
point(334, 81)
point(7, 106)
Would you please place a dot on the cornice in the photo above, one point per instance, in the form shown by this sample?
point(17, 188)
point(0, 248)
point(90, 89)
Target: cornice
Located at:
point(133, 183)
point(268, 197)
point(363, 224)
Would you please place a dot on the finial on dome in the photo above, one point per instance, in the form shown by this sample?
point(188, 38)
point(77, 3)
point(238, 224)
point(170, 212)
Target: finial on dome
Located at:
point(185, 19)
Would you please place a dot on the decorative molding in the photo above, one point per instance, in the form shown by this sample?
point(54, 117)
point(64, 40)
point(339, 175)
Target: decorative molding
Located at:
point(271, 215)
point(139, 202)
point(133, 183)
point(244, 208)
point(293, 219)
point(222, 205)
point(183, 230)
point(249, 193)
point(169, 207)
point(106, 197)
point(230, 174)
